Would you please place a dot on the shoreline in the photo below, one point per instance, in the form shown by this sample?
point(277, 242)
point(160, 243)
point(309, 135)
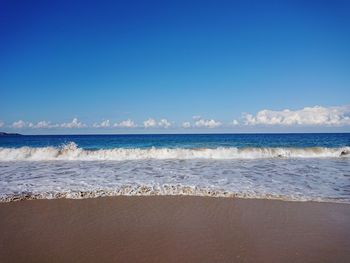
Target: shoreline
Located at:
point(206, 193)
point(173, 229)
point(165, 190)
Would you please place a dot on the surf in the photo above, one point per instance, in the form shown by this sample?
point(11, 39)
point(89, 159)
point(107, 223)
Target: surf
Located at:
point(71, 152)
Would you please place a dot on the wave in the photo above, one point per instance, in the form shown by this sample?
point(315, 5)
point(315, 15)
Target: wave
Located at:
point(72, 152)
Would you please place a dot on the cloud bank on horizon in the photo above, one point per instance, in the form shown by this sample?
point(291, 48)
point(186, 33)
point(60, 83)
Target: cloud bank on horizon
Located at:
point(308, 116)
point(316, 116)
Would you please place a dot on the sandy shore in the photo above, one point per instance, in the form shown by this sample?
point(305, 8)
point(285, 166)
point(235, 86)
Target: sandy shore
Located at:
point(173, 229)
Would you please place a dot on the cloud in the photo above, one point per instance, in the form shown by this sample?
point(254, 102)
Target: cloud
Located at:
point(1, 124)
point(42, 125)
point(186, 124)
point(75, 123)
point(152, 123)
point(125, 124)
point(308, 116)
point(164, 123)
point(318, 116)
point(207, 123)
point(18, 124)
point(235, 122)
point(201, 123)
point(103, 124)
point(196, 117)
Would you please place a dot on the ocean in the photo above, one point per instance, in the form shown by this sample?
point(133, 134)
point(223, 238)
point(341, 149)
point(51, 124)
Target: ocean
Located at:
point(296, 167)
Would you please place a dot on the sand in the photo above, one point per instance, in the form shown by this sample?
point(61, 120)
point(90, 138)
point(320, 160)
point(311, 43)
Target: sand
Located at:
point(173, 229)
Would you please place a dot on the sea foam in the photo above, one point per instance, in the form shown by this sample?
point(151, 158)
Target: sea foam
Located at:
point(72, 152)
point(278, 178)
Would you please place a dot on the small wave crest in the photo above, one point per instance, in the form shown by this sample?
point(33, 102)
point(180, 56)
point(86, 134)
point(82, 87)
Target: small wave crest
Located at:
point(72, 152)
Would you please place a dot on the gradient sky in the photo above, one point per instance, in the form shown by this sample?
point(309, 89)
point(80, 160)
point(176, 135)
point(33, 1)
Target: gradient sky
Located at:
point(120, 60)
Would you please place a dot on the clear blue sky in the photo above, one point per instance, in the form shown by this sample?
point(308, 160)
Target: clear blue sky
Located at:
point(119, 60)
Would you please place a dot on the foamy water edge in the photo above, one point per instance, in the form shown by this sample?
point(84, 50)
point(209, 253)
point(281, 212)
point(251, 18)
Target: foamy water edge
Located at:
point(157, 190)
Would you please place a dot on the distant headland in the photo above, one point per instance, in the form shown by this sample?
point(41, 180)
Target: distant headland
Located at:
point(9, 134)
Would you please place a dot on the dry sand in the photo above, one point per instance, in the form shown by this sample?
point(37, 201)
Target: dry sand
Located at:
point(173, 229)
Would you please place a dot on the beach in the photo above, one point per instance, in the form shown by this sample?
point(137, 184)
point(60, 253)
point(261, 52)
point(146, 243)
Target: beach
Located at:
point(175, 131)
point(175, 198)
point(173, 229)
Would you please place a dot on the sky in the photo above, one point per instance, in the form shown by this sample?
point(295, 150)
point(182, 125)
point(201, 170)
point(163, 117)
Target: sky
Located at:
point(174, 66)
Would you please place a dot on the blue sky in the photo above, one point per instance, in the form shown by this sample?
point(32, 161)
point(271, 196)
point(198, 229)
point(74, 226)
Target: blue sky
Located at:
point(183, 66)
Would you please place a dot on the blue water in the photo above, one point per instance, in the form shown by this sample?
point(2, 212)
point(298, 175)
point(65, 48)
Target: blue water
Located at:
point(295, 167)
point(181, 140)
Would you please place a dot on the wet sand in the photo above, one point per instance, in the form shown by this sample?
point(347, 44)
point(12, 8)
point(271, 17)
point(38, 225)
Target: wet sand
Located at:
point(173, 229)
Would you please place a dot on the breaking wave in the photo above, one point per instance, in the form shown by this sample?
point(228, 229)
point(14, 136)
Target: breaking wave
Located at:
point(72, 152)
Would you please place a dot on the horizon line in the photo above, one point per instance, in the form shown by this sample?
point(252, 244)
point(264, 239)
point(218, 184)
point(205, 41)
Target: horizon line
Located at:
point(214, 133)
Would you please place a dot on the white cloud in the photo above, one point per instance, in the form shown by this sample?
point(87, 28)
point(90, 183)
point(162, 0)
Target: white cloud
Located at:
point(196, 117)
point(308, 116)
point(186, 124)
point(1, 124)
point(317, 115)
point(75, 123)
point(164, 123)
point(126, 124)
point(42, 125)
point(103, 124)
point(152, 123)
point(207, 123)
point(235, 122)
point(18, 124)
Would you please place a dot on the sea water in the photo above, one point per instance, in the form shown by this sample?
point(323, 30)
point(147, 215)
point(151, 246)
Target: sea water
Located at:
point(297, 167)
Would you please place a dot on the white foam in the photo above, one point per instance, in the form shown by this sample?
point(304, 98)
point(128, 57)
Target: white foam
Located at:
point(276, 178)
point(71, 151)
point(155, 190)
